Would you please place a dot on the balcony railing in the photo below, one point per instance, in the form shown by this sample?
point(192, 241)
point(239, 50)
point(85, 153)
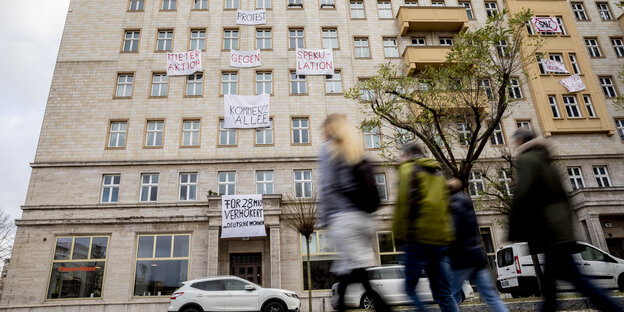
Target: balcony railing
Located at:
point(422, 18)
point(419, 57)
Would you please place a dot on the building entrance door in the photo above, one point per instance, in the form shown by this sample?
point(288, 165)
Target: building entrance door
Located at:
point(247, 266)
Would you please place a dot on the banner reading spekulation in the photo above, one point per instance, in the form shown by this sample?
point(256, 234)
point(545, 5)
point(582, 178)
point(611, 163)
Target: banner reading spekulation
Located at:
point(315, 62)
point(246, 111)
point(573, 83)
point(184, 63)
point(242, 216)
point(243, 59)
point(244, 17)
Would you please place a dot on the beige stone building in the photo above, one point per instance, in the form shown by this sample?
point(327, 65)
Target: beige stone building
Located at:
point(123, 198)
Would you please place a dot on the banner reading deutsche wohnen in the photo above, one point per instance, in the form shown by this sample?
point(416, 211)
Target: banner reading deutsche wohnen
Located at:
point(184, 63)
point(315, 62)
point(242, 216)
point(246, 111)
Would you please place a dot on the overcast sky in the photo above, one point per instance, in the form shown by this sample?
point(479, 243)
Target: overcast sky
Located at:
point(30, 36)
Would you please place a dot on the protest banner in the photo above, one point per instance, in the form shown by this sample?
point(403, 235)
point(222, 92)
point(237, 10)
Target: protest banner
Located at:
point(546, 24)
point(315, 62)
point(244, 17)
point(551, 66)
point(183, 63)
point(246, 111)
point(573, 83)
point(242, 216)
point(243, 59)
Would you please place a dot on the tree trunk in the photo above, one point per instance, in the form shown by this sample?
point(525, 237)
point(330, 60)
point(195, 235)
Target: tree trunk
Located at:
point(309, 275)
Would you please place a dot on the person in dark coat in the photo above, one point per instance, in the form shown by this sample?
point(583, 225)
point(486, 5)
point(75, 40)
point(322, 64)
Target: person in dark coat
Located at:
point(541, 215)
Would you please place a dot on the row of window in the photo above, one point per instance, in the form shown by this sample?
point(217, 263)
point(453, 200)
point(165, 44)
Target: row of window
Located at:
point(601, 174)
point(593, 47)
point(226, 181)
point(604, 10)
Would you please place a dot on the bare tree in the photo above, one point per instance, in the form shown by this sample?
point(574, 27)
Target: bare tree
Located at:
point(499, 177)
point(7, 234)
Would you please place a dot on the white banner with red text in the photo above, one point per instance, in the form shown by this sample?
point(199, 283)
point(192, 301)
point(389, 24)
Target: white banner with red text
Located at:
point(551, 66)
point(184, 63)
point(244, 59)
point(246, 111)
point(242, 216)
point(546, 24)
point(315, 62)
point(573, 83)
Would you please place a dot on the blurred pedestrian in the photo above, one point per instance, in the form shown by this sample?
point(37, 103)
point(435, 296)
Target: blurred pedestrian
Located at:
point(351, 228)
point(468, 257)
point(422, 222)
point(541, 216)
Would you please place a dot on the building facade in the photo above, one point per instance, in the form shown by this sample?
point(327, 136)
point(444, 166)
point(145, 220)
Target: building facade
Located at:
point(123, 201)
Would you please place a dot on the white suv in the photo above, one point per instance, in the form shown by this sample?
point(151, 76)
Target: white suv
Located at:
point(516, 273)
point(230, 293)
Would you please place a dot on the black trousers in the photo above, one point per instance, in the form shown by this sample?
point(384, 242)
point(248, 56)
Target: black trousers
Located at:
point(359, 276)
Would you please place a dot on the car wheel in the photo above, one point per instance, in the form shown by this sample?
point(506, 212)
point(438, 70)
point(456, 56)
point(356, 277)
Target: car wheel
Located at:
point(192, 309)
point(621, 282)
point(274, 307)
point(366, 302)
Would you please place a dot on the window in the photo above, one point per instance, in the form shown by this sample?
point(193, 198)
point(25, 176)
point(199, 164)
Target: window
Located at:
point(295, 4)
point(437, 3)
point(333, 83)
point(607, 87)
point(232, 4)
point(539, 58)
point(264, 182)
point(264, 82)
point(159, 84)
point(117, 134)
point(619, 124)
point(303, 183)
point(162, 264)
point(579, 11)
point(602, 176)
point(446, 41)
point(357, 9)
point(124, 85)
point(365, 94)
point(200, 4)
point(300, 131)
point(227, 183)
point(468, 7)
point(321, 256)
point(514, 89)
point(263, 39)
point(131, 41)
point(555, 57)
point(230, 39)
point(590, 107)
point(419, 41)
point(372, 137)
point(229, 83)
point(264, 136)
point(488, 245)
point(380, 181)
point(385, 9)
point(523, 124)
point(504, 180)
point(297, 83)
point(327, 4)
point(136, 5)
point(618, 46)
point(168, 5)
point(411, 3)
point(154, 133)
point(110, 188)
point(502, 48)
point(497, 137)
point(198, 40)
point(576, 178)
point(263, 4)
point(330, 38)
point(552, 100)
point(194, 84)
point(487, 87)
point(165, 40)
point(78, 267)
point(388, 251)
point(475, 183)
point(149, 187)
point(593, 48)
point(403, 136)
point(226, 136)
point(529, 28)
point(491, 8)
point(561, 25)
point(391, 49)
point(190, 133)
point(361, 47)
point(295, 38)
point(188, 186)
point(464, 133)
point(575, 66)
point(605, 12)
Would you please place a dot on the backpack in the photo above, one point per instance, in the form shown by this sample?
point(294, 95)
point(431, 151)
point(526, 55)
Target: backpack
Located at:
point(366, 195)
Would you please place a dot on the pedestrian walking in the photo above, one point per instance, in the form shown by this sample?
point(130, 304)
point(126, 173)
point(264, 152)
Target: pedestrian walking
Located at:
point(541, 216)
point(422, 222)
point(467, 255)
point(346, 199)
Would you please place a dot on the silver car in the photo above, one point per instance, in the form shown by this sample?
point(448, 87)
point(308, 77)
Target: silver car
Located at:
point(389, 283)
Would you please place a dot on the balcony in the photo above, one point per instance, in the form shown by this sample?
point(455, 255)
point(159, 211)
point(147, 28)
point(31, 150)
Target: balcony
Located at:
point(452, 19)
point(419, 57)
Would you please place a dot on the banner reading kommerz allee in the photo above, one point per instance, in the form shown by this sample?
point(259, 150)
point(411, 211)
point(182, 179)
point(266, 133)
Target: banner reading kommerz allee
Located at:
point(242, 216)
point(183, 63)
point(246, 111)
point(257, 17)
point(315, 62)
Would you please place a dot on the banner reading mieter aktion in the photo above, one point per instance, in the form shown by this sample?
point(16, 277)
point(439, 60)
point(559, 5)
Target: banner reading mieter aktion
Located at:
point(242, 216)
point(184, 63)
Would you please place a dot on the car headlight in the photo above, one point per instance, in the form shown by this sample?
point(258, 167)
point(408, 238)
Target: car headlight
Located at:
point(291, 295)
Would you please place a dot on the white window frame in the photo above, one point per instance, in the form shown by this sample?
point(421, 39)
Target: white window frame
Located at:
point(298, 84)
point(262, 182)
point(437, 3)
point(579, 11)
point(330, 38)
point(619, 125)
point(384, 9)
point(575, 175)
point(380, 182)
point(295, 4)
point(194, 83)
point(468, 6)
point(228, 185)
point(264, 82)
point(476, 184)
point(607, 86)
point(504, 180)
point(571, 105)
point(228, 134)
point(356, 9)
point(574, 62)
point(333, 83)
point(136, 5)
point(362, 49)
point(117, 134)
point(191, 132)
point(618, 46)
point(131, 41)
point(151, 187)
point(464, 133)
point(523, 124)
point(372, 137)
point(198, 39)
point(391, 47)
point(327, 4)
point(296, 38)
point(486, 85)
point(491, 8)
point(200, 4)
point(230, 38)
point(591, 112)
point(264, 136)
point(298, 130)
point(446, 41)
point(264, 39)
point(604, 11)
point(165, 40)
point(186, 185)
point(419, 41)
point(561, 25)
point(229, 83)
point(411, 3)
point(154, 132)
point(124, 85)
point(593, 48)
point(554, 106)
point(502, 48)
point(497, 137)
point(232, 4)
point(263, 4)
point(514, 89)
point(160, 83)
point(168, 5)
point(302, 182)
point(602, 176)
point(112, 187)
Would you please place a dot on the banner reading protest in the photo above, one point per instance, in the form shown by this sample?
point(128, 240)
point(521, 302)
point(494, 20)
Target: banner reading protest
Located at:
point(551, 66)
point(546, 24)
point(315, 62)
point(242, 216)
point(184, 63)
point(246, 111)
point(573, 83)
point(243, 59)
point(244, 17)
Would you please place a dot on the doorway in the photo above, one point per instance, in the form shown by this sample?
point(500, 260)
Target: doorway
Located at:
point(247, 266)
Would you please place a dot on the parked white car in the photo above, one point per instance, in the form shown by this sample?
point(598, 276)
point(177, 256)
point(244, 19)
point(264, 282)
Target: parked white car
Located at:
point(389, 283)
point(230, 293)
point(516, 273)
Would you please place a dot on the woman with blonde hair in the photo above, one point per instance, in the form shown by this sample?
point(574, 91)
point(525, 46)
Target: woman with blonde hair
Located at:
point(351, 228)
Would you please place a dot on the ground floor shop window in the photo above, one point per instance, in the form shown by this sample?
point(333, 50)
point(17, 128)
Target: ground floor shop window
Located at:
point(161, 265)
point(78, 267)
point(321, 257)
